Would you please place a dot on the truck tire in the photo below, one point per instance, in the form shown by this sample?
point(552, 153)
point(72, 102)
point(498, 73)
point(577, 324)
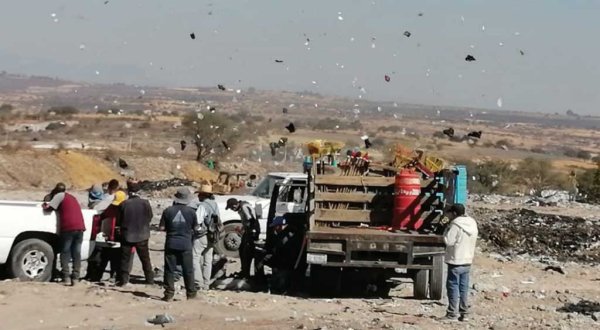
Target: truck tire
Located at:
point(436, 278)
point(420, 285)
point(32, 260)
point(229, 240)
point(325, 281)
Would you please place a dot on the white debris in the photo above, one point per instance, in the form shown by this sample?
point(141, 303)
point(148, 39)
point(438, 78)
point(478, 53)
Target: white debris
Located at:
point(499, 102)
point(82, 47)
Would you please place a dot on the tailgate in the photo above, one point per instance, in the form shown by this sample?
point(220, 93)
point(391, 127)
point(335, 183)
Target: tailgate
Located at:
point(363, 247)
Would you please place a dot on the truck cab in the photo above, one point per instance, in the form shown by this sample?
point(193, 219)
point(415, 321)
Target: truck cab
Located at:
point(260, 199)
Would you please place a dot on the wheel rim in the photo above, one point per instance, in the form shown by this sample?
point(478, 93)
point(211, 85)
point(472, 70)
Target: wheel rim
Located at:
point(34, 263)
point(232, 241)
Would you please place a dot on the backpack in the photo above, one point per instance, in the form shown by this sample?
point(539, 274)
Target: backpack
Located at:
point(214, 228)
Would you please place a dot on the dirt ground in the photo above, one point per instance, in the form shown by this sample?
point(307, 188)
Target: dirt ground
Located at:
point(513, 295)
point(507, 293)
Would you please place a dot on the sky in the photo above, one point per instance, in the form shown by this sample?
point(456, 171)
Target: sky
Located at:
point(352, 46)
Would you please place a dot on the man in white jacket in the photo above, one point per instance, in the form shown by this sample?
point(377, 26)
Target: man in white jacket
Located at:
point(460, 237)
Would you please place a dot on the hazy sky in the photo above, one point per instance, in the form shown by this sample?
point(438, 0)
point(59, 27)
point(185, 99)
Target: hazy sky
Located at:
point(147, 42)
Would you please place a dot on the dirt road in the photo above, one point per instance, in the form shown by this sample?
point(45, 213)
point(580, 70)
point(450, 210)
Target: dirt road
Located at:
point(511, 295)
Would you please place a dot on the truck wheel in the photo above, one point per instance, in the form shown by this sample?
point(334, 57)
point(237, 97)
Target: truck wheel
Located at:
point(32, 260)
point(420, 284)
point(230, 240)
point(325, 281)
point(436, 278)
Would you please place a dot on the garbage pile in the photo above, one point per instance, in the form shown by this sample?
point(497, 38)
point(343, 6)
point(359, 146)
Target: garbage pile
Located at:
point(584, 307)
point(520, 232)
point(550, 198)
point(164, 184)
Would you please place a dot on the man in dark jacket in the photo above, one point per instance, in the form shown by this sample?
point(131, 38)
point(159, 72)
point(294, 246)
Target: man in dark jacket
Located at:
point(179, 221)
point(71, 228)
point(134, 218)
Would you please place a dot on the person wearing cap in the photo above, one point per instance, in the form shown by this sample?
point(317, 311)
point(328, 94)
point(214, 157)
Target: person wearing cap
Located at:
point(460, 237)
point(71, 228)
point(250, 233)
point(208, 216)
point(134, 219)
point(95, 196)
point(180, 222)
point(281, 254)
point(108, 254)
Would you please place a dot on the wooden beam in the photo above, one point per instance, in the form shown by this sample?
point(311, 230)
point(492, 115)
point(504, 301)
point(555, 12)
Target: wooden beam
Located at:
point(357, 216)
point(356, 197)
point(360, 181)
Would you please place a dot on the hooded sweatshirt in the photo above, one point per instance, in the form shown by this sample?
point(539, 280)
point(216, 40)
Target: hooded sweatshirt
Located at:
point(460, 238)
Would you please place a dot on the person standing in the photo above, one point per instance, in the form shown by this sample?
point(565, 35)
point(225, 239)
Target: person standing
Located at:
point(208, 216)
point(180, 222)
point(71, 228)
point(250, 233)
point(460, 237)
point(109, 251)
point(134, 219)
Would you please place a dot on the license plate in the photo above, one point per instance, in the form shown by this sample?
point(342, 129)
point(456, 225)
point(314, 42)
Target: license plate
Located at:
point(315, 258)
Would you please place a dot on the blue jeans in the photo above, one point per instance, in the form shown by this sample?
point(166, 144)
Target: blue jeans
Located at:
point(70, 248)
point(457, 285)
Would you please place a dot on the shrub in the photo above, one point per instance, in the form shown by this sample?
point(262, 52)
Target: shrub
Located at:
point(589, 184)
point(6, 108)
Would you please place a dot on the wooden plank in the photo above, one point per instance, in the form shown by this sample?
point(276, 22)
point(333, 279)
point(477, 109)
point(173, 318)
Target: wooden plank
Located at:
point(356, 197)
point(357, 216)
point(360, 181)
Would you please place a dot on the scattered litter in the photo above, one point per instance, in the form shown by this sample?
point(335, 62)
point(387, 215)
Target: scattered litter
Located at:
point(499, 102)
point(171, 150)
point(193, 36)
point(221, 87)
point(470, 58)
point(226, 145)
point(557, 269)
point(522, 52)
point(278, 61)
point(123, 164)
point(407, 34)
point(161, 319)
point(291, 128)
point(387, 78)
point(183, 144)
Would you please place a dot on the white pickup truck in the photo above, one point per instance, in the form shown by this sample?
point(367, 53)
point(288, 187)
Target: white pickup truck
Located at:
point(260, 198)
point(29, 240)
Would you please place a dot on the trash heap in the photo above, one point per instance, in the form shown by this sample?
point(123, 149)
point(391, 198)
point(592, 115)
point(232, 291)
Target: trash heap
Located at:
point(164, 184)
point(519, 232)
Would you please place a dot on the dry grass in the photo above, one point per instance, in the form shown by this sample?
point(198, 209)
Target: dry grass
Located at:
point(197, 172)
point(84, 171)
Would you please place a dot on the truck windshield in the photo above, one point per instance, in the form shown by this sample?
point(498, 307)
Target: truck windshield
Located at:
point(265, 187)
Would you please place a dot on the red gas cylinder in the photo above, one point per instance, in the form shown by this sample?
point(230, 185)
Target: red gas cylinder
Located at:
point(407, 202)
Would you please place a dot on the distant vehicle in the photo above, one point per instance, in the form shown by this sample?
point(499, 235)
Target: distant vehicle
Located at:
point(29, 241)
point(260, 198)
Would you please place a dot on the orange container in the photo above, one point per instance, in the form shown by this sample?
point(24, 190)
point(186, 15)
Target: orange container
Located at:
point(407, 202)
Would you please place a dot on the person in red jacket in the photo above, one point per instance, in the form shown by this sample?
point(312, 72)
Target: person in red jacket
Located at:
point(71, 228)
